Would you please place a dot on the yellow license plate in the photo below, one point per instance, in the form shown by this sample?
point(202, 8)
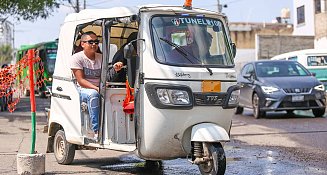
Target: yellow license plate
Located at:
point(211, 86)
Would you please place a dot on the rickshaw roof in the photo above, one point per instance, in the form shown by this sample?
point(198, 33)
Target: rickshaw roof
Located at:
point(93, 14)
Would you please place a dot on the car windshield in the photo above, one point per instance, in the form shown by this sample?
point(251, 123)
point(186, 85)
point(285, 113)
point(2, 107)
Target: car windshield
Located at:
point(280, 69)
point(191, 41)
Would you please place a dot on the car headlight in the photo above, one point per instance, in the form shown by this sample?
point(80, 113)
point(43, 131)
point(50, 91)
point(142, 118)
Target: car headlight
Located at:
point(173, 96)
point(320, 87)
point(269, 89)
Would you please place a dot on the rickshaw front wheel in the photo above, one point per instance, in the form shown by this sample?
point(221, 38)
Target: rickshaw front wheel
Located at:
point(63, 151)
point(216, 165)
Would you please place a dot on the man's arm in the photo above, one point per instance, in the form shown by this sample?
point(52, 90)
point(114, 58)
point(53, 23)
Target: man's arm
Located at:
point(79, 75)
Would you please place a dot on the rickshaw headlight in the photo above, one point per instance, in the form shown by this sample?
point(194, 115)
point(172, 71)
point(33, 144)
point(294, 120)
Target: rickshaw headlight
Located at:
point(173, 97)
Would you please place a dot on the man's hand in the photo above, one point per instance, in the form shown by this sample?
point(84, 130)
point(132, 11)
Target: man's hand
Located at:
point(117, 66)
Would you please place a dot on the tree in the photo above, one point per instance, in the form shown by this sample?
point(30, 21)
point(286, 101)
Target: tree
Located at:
point(5, 54)
point(27, 9)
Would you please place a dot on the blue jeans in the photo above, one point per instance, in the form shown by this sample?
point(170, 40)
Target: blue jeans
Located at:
point(91, 97)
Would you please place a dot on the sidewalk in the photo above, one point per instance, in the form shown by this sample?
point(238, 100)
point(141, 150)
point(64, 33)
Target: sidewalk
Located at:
point(15, 137)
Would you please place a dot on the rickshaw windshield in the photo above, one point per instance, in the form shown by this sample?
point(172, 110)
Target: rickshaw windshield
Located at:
point(190, 41)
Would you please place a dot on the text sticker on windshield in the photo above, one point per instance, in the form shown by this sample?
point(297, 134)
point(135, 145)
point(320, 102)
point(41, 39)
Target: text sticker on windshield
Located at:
point(195, 21)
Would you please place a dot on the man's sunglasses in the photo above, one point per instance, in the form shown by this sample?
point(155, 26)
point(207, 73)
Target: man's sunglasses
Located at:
point(92, 41)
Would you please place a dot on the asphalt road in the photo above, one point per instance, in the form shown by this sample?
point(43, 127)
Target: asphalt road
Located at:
point(278, 144)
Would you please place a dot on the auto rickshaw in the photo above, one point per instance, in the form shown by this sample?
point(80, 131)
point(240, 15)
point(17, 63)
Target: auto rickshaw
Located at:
point(182, 82)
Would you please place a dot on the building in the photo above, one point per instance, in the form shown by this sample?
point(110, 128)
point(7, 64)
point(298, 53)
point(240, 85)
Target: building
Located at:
point(303, 17)
point(6, 32)
point(247, 35)
point(320, 16)
point(311, 20)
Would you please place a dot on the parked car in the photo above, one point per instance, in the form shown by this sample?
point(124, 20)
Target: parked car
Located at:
point(279, 85)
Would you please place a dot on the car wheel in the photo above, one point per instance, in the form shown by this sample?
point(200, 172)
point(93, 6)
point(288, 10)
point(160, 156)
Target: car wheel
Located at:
point(63, 151)
point(257, 113)
point(318, 112)
point(239, 110)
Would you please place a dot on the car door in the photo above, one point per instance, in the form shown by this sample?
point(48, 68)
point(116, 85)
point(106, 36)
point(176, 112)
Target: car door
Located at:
point(246, 83)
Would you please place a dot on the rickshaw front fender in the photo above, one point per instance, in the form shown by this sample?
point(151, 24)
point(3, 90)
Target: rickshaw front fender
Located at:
point(209, 132)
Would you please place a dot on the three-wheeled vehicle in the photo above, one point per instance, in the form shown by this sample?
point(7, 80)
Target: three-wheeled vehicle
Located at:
point(183, 79)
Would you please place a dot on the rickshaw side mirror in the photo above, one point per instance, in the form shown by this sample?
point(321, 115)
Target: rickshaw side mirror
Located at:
point(234, 49)
point(128, 50)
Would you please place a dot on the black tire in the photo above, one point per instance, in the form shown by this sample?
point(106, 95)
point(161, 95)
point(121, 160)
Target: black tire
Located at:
point(217, 165)
point(42, 94)
point(239, 110)
point(318, 112)
point(3, 103)
point(290, 112)
point(257, 113)
point(63, 151)
point(152, 164)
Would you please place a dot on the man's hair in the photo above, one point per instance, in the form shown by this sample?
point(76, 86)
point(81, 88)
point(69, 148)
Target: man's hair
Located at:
point(88, 33)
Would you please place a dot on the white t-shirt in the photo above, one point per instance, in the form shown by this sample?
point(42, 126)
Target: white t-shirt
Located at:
point(91, 68)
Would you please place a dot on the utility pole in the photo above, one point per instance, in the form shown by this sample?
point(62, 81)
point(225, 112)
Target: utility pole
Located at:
point(220, 7)
point(77, 6)
point(84, 4)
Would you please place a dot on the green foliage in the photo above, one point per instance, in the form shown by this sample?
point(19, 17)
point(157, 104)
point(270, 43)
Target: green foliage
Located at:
point(27, 9)
point(5, 54)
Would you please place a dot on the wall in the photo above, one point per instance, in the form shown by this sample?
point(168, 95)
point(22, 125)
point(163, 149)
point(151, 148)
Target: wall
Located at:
point(243, 34)
point(271, 45)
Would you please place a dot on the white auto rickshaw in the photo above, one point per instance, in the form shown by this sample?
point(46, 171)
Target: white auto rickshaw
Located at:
point(184, 94)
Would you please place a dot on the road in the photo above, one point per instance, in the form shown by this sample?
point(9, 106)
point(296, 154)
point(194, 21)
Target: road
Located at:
point(278, 144)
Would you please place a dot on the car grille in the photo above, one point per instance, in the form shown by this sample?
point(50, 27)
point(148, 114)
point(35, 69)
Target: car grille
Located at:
point(310, 103)
point(296, 90)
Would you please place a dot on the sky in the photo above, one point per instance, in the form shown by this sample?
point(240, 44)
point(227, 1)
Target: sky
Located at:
point(237, 11)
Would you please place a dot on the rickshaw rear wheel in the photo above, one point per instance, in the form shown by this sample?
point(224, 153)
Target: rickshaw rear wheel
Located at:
point(63, 151)
point(239, 110)
point(217, 163)
point(152, 164)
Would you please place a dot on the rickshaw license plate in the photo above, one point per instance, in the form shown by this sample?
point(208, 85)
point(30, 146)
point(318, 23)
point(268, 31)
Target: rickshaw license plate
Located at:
point(297, 98)
point(211, 86)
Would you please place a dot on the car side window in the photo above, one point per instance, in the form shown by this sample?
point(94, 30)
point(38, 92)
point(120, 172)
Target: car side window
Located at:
point(244, 70)
point(250, 70)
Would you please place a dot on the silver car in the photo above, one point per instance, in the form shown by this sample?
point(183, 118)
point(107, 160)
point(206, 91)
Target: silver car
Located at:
point(279, 86)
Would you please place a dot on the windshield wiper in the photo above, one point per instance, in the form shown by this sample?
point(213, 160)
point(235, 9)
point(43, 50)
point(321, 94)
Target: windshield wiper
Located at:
point(184, 53)
point(178, 47)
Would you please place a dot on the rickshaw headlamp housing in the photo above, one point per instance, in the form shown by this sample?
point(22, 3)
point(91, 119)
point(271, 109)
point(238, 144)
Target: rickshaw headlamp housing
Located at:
point(234, 97)
point(169, 96)
point(173, 96)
